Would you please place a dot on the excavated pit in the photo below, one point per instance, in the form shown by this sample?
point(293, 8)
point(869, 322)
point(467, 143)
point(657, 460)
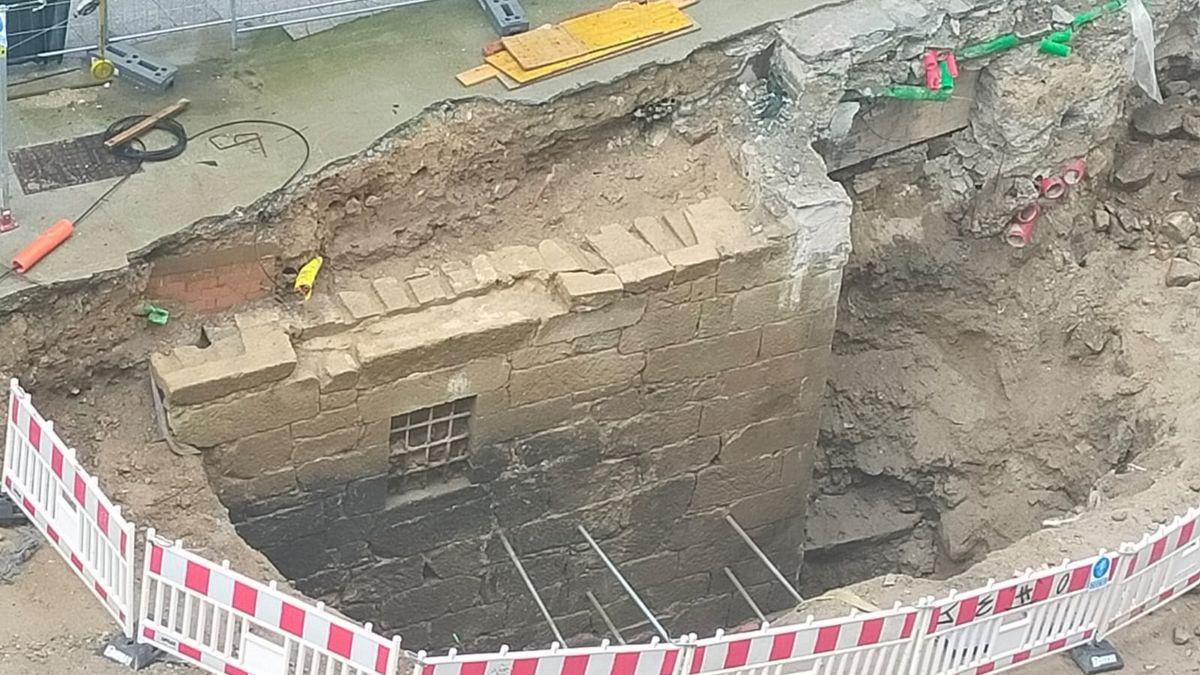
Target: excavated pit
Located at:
point(974, 391)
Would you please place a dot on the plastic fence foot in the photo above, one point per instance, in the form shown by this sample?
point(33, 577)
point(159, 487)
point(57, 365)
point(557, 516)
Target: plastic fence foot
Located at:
point(1097, 657)
point(129, 653)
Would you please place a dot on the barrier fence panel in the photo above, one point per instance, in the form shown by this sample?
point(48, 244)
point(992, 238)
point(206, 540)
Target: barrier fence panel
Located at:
point(229, 624)
point(879, 643)
point(1007, 624)
point(1154, 571)
point(43, 477)
point(651, 659)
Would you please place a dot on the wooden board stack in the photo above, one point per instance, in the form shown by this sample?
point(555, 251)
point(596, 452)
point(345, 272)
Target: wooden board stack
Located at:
point(581, 40)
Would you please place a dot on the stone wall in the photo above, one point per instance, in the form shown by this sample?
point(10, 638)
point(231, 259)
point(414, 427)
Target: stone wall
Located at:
point(642, 383)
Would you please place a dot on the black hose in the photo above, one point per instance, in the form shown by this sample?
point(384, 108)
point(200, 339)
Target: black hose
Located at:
point(129, 150)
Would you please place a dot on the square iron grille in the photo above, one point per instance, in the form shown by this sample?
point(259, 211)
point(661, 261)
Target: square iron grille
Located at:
point(431, 438)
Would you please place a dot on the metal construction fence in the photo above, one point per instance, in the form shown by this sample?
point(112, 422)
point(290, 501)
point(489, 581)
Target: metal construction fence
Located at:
point(57, 29)
point(208, 615)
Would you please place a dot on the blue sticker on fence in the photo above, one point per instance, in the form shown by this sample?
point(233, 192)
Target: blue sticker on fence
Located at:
point(1099, 574)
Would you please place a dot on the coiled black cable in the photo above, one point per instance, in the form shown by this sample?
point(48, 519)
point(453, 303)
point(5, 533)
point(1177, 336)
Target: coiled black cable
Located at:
point(138, 151)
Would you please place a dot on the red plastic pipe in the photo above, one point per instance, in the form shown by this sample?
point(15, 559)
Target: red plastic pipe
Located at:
point(1019, 234)
point(933, 76)
point(1074, 171)
point(43, 245)
point(1052, 187)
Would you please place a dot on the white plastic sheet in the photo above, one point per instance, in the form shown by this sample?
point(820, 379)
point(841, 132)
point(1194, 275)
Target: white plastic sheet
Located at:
point(1143, 50)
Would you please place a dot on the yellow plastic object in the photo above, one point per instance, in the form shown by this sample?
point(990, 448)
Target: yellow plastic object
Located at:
point(102, 69)
point(307, 276)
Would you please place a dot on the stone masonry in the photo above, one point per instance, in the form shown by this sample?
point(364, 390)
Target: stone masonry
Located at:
point(643, 382)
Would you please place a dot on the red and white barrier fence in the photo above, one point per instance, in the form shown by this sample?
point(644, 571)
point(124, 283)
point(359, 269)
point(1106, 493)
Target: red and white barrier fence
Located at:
point(879, 643)
point(1017, 621)
point(651, 659)
point(229, 624)
point(43, 477)
point(1154, 571)
point(226, 623)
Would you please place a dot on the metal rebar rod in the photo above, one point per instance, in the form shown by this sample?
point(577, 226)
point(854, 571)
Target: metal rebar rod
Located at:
point(532, 591)
point(330, 3)
point(625, 584)
point(612, 628)
point(745, 596)
point(765, 560)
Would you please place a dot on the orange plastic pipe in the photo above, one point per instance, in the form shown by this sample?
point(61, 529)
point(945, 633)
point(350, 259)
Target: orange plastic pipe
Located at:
point(40, 247)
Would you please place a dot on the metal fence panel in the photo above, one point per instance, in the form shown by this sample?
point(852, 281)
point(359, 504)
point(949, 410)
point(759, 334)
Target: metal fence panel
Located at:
point(1154, 571)
point(42, 475)
point(229, 624)
point(1004, 625)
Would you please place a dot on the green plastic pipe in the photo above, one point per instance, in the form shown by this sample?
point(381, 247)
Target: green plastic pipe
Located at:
point(1053, 48)
point(1062, 37)
point(947, 82)
point(994, 46)
point(910, 92)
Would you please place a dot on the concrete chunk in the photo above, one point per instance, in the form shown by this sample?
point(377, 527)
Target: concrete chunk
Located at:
point(657, 233)
point(361, 304)
point(428, 288)
point(562, 256)
point(394, 294)
point(716, 222)
point(588, 290)
point(263, 355)
point(323, 316)
point(619, 246)
point(694, 262)
point(677, 223)
point(462, 279)
point(484, 271)
point(652, 273)
point(338, 371)
point(518, 261)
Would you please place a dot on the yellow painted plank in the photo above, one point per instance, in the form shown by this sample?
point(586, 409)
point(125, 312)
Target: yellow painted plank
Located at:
point(543, 46)
point(480, 73)
point(626, 22)
point(506, 64)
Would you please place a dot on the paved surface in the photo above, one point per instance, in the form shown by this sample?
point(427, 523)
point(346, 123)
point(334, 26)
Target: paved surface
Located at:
point(344, 88)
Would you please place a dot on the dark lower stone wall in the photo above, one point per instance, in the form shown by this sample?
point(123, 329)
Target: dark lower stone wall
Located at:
point(429, 564)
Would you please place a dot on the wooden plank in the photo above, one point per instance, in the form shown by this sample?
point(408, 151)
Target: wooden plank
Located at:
point(626, 22)
point(623, 23)
point(506, 64)
point(543, 46)
point(147, 124)
point(476, 75)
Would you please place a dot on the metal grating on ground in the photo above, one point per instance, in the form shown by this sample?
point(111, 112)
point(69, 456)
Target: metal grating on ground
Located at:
point(75, 161)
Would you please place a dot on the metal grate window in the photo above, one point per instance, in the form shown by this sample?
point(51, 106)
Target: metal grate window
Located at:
point(430, 438)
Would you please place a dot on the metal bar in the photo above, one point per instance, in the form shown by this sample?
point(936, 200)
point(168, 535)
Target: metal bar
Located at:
point(532, 591)
point(5, 194)
point(765, 560)
point(625, 584)
point(612, 628)
point(745, 596)
point(329, 3)
point(233, 24)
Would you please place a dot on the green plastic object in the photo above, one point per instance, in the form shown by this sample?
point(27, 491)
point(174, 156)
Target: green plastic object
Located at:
point(910, 92)
point(153, 313)
point(996, 45)
point(947, 80)
point(1053, 48)
point(1062, 37)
